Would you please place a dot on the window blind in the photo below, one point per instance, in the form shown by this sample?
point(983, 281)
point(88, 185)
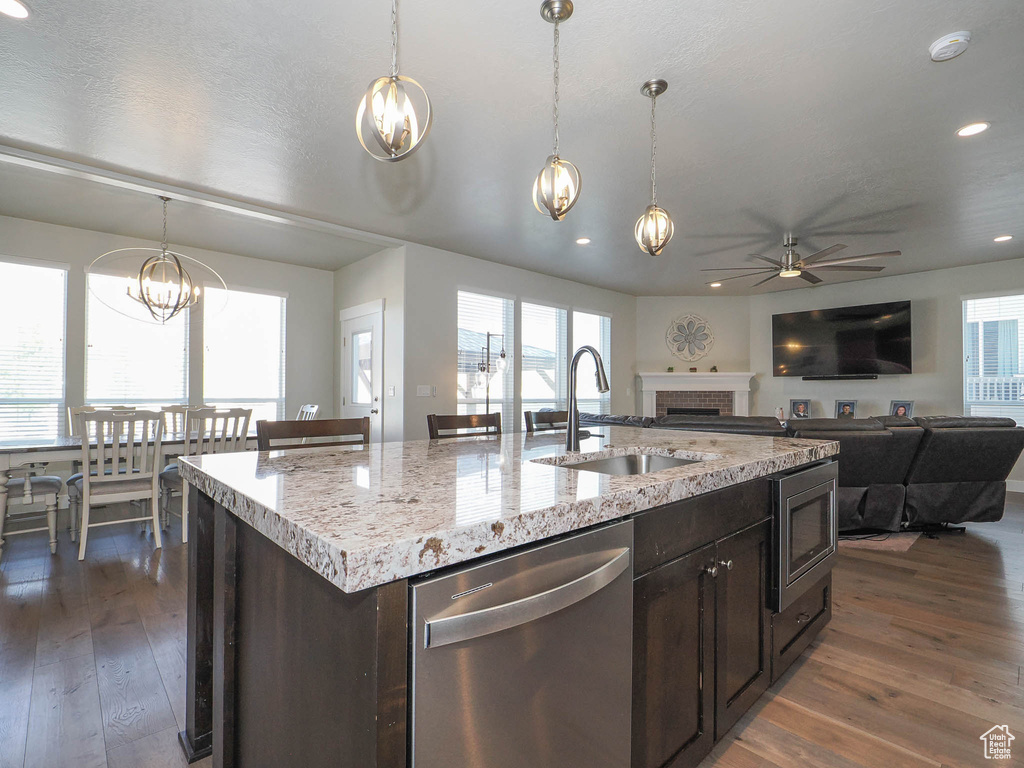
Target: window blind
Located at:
point(244, 352)
point(132, 361)
point(595, 330)
point(545, 357)
point(993, 353)
point(32, 316)
point(479, 315)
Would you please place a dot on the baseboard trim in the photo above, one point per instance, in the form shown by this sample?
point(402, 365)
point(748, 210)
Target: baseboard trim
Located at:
point(1015, 486)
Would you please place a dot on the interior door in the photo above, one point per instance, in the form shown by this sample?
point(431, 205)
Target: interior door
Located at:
point(362, 354)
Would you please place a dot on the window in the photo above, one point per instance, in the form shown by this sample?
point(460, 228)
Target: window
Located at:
point(244, 352)
point(993, 351)
point(482, 320)
point(595, 330)
point(129, 362)
point(544, 361)
point(32, 301)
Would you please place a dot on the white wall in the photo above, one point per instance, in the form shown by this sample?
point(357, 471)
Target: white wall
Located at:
point(433, 279)
point(380, 276)
point(728, 316)
point(309, 375)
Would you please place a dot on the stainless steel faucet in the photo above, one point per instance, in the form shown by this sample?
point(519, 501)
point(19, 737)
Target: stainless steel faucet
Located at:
point(572, 433)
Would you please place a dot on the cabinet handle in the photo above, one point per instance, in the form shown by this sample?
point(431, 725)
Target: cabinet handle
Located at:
point(712, 571)
point(803, 618)
point(726, 563)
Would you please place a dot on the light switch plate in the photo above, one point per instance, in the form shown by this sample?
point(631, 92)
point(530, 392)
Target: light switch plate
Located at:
point(422, 390)
point(391, 391)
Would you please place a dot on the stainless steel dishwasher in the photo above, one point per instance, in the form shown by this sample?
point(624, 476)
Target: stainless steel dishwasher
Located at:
point(526, 661)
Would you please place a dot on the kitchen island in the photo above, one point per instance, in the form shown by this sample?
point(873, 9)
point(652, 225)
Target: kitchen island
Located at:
point(301, 564)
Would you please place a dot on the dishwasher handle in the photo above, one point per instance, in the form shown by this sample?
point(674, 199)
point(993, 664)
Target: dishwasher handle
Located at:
point(466, 626)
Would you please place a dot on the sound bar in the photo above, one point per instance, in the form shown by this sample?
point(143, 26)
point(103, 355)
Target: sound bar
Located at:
point(846, 377)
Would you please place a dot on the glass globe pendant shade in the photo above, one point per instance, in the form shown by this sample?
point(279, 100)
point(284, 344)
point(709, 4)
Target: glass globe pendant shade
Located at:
point(387, 123)
point(557, 188)
point(653, 230)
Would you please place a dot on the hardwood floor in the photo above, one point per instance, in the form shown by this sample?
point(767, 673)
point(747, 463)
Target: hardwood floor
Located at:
point(923, 655)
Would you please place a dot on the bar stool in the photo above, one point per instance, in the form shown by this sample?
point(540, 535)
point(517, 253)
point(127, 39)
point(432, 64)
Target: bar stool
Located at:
point(29, 490)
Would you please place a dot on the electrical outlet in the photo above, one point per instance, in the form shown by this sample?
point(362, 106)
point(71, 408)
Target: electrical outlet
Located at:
point(391, 391)
point(422, 390)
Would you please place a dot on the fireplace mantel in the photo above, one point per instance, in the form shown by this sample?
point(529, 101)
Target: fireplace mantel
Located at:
point(723, 381)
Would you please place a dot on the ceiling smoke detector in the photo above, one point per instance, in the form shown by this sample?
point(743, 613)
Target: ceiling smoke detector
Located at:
point(949, 46)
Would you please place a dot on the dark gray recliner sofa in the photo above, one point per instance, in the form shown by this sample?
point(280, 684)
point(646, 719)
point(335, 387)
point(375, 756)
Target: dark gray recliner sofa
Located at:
point(736, 425)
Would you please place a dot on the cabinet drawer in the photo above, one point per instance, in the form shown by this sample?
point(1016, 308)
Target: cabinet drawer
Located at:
point(795, 628)
point(668, 532)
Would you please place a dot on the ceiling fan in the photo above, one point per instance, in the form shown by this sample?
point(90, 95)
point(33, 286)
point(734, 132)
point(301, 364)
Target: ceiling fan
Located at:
point(795, 265)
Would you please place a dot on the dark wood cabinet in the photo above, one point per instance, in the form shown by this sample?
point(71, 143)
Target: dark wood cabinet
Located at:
point(701, 647)
point(743, 621)
point(673, 662)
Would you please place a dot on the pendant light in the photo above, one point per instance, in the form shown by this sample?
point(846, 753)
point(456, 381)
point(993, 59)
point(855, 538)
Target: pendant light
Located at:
point(654, 229)
point(388, 121)
point(557, 187)
point(163, 285)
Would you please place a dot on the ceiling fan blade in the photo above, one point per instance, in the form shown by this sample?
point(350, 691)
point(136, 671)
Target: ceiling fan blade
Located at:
point(866, 257)
point(762, 282)
point(737, 277)
point(731, 269)
point(822, 254)
point(841, 268)
point(813, 279)
point(773, 262)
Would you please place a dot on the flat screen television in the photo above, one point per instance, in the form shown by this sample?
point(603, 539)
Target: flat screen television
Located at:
point(869, 340)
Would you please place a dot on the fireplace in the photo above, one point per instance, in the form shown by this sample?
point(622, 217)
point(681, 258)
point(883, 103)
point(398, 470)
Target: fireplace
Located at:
point(725, 391)
point(693, 412)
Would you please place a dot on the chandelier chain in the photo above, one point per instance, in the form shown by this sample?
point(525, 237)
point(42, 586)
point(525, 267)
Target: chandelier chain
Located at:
point(555, 108)
point(394, 37)
point(654, 154)
point(163, 242)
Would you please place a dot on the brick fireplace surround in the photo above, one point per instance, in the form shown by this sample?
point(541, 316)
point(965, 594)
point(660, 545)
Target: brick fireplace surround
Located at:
point(701, 399)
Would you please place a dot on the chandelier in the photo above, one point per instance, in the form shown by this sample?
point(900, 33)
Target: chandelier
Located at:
point(386, 121)
point(557, 187)
point(654, 229)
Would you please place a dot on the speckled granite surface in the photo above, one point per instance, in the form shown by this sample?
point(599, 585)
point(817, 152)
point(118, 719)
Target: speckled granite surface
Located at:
point(362, 517)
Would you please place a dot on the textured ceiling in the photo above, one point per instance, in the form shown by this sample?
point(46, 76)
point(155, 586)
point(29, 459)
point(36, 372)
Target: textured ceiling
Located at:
point(826, 119)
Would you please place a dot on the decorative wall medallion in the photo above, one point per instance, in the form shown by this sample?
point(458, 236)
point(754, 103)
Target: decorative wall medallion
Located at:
point(690, 337)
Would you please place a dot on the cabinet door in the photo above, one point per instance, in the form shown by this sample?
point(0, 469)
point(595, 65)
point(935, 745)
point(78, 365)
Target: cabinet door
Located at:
point(743, 669)
point(673, 662)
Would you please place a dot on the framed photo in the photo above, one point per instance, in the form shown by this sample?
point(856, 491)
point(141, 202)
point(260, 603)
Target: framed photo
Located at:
point(800, 409)
point(901, 408)
point(846, 409)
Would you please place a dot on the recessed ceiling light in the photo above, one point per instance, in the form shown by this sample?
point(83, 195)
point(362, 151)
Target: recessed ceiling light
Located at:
point(973, 129)
point(1003, 238)
point(14, 8)
point(583, 241)
point(715, 285)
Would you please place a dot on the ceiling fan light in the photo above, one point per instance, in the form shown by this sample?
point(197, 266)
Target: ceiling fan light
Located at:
point(789, 273)
point(653, 230)
point(556, 188)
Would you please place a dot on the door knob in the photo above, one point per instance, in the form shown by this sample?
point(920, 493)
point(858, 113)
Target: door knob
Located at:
point(712, 571)
point(726, 563)
point(374, 410)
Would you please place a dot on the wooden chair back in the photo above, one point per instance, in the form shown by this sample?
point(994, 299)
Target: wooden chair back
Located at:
point(319, 433)
point(174, 419)
point(545, 421)
point(444, 426)
point(308, 412)
point(216, 431)
point(120, 446)
point(74, 415)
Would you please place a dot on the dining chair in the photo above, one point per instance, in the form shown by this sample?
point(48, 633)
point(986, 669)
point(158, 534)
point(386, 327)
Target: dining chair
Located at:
point(207, 430)
point(174, 419)
point(74, 414)
point(120, 459)
point(445, 426)
point(321, 433)
point(308, 412)
point(546, 421)
point(28, 490)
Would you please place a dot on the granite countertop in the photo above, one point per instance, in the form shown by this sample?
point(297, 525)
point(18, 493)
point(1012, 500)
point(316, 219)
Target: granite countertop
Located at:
point(365, 516)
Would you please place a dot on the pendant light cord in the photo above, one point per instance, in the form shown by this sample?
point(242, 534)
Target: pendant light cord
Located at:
point(654, 154)
point(555, 108)
point(394, 37)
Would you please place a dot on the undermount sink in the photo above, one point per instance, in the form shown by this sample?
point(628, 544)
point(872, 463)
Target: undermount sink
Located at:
point(630, 464)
